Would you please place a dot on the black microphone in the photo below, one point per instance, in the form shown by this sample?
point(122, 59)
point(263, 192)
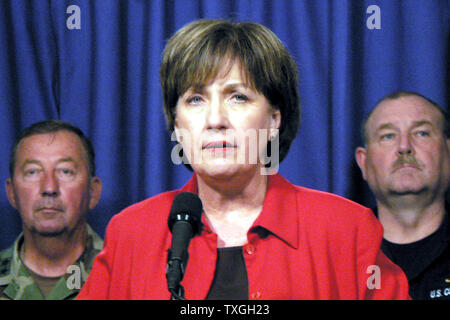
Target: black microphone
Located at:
point(184, 223)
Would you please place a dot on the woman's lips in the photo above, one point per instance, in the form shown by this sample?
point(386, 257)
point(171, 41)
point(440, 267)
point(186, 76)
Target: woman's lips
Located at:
point(218, 145)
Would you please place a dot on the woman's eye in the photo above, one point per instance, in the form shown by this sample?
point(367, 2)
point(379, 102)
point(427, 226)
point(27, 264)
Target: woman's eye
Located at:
point(195, 100)
point(238, 97)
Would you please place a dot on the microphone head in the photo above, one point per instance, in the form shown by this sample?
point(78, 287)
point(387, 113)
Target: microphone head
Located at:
point(187, 206)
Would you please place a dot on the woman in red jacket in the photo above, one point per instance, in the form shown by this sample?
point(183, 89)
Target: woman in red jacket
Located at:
point(231, 101)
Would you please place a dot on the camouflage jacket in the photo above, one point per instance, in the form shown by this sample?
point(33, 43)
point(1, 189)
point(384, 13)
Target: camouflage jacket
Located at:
point(16, 283)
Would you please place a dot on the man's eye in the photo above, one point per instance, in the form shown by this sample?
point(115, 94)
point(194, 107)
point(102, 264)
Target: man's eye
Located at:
point(30, 172)
point(423, 133)
point(66, 172)
point(387, 136)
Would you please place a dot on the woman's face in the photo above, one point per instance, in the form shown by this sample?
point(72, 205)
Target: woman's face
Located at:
point(224, 126)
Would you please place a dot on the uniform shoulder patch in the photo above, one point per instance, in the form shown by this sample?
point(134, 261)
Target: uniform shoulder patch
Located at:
point(5, 261)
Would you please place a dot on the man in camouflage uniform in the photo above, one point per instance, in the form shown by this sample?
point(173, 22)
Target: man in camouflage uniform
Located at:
point(53, 186)
point(18, 283)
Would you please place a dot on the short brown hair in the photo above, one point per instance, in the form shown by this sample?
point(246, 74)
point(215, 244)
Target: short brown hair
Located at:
point(399, 94)
point(199, 50)
point(52, 126)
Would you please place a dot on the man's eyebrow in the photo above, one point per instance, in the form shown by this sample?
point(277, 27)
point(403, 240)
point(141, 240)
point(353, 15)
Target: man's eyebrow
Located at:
point(384, 126)
point(37, 162)
point(389, 125)
point(68, 159)
point(65, 160)
point(31, 161)
point(422, 123)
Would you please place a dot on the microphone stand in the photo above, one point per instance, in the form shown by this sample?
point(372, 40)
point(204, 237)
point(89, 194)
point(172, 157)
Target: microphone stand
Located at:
point(174, 275)
point(177, 295)
point(184, 222)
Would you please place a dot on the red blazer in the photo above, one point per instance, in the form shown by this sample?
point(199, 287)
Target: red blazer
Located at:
point(314, 245)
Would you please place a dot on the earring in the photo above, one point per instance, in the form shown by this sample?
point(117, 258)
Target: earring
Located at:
point(272, 135)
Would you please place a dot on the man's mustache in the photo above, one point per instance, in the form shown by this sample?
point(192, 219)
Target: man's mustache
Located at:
point(407, 160)
point(49, 203)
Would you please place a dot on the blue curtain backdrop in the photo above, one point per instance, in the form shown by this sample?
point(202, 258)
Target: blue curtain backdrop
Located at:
point(104, 78)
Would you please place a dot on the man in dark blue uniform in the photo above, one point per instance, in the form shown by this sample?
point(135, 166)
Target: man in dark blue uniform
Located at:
point(406, 162)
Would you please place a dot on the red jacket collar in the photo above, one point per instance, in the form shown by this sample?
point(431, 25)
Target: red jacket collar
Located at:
point(279, 214)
